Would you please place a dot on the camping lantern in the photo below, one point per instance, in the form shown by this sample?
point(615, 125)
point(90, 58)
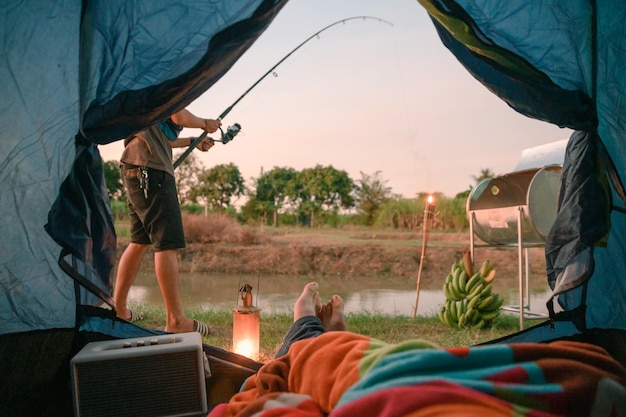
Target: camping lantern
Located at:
point(246, 325)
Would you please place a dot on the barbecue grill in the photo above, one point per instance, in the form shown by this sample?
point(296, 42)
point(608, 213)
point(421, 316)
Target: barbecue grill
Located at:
point(517, 210)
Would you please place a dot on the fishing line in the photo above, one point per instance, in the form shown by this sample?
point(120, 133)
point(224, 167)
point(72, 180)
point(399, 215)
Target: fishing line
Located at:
point(233, 130)
point(412, 137)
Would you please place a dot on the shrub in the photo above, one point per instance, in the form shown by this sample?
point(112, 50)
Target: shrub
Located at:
point(216, 228)
point(119, 209)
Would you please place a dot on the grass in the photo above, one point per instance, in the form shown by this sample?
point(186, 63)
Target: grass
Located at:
point(391, 329)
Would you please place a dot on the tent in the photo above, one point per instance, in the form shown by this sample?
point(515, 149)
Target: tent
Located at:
point(76, 74)
point(562, 62)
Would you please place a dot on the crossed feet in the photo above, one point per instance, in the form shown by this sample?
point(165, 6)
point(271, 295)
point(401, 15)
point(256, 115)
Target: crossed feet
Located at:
point(309, 303)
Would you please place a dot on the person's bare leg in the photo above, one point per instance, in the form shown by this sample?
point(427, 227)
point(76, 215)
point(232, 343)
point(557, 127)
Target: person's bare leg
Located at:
point(332, 315)
point(308, 303)
point(166, 268)
point(126, 272)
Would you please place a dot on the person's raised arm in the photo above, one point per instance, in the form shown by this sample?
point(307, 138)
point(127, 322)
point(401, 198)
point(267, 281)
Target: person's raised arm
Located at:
point(185, 118)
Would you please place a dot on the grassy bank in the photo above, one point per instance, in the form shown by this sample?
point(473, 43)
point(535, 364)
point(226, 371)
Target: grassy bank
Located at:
point(390, 329)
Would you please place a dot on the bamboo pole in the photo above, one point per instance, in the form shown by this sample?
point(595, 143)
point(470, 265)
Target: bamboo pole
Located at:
point(429, 212)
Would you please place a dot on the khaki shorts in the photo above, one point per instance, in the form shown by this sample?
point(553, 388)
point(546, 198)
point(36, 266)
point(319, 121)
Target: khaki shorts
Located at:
point(157, 219)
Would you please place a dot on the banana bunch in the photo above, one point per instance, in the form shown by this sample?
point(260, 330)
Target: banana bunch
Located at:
point(469, 299)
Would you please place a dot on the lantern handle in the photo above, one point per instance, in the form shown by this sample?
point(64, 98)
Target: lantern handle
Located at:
point(258, 281)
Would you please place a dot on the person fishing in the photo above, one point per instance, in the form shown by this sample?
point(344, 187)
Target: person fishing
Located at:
point(155, 215)
point(148, 176)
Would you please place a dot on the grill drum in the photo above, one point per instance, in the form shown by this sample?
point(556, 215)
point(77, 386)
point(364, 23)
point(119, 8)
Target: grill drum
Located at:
point(497, 203)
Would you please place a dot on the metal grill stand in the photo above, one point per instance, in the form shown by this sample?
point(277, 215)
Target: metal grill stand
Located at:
point(515, 210)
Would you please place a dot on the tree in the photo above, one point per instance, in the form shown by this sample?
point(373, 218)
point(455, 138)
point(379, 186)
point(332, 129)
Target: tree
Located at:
point(186, 175)
point(113, 180)
point(319, 188)
point(273, 190)
point(371, 193)
point(218, 186)
point(484, 174)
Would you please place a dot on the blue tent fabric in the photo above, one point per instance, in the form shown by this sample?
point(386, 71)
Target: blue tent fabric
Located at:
point(590, 195)
point(522, 86)
point(39, 107)
point(144, 70)
point(95, 71)
point(75, 74)
point(563, 63)
point(80, 221)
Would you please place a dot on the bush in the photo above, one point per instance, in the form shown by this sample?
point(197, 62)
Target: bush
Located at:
point(450, 214)
point(119, 209)
point(216, 228)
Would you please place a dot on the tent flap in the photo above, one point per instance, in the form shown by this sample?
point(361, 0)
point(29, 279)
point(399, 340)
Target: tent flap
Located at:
point(562, 62)
point(76, 74)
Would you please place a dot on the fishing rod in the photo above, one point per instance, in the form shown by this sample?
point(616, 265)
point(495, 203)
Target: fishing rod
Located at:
point(233, 130)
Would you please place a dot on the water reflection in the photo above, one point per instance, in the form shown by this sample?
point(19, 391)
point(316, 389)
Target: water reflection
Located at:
point(393, 296)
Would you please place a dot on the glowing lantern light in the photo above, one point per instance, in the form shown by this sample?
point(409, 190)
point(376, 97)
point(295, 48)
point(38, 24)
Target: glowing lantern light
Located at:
point(246, 325)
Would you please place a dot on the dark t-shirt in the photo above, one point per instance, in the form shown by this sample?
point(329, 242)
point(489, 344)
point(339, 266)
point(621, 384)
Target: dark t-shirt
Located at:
point(151, 147)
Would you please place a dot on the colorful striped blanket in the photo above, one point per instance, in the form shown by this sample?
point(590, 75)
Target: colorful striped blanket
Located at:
point(345, 374)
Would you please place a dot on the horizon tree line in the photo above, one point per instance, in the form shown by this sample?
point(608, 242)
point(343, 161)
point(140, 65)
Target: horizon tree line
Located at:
point(311, 196)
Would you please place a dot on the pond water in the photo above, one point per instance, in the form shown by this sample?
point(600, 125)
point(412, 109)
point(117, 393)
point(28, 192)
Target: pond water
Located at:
point(380, 295)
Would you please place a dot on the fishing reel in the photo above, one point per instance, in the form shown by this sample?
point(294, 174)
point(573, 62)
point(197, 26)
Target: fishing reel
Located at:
point(230, 133)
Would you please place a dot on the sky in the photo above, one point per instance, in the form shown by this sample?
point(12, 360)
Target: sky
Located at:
point(364, 96)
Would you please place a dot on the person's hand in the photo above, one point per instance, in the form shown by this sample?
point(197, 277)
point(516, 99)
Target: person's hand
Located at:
point(206, 144)
point(211, 125)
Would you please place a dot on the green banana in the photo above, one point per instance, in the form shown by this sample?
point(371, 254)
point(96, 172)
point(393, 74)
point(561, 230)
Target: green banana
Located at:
point(446, 290)
point(462, 282)
point(440, 315)
point(467, 316)
point(462, 321)
point(455, 282)
point(490, 315)
point(475, 315)
point(446, 316)
point(472, 282)
point(494, 305)
point(449, 319)
point(479, 325)
point(484, 268)
point(476, 291)
point(486, 302)
point(456, 295)
point(453, 313)
point(463, 313)
point(486, 291)
point(467, 263)
point(473, 302)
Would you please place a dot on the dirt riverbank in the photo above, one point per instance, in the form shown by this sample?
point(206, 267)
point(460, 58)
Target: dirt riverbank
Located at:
point(344, 253)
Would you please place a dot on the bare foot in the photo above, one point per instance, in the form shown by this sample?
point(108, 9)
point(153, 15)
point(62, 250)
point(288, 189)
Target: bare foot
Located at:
point(325, 314)
point(331, 314)
point(309, 302)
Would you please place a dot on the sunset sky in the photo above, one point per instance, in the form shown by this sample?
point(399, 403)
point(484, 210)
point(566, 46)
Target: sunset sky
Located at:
point(364, 97)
